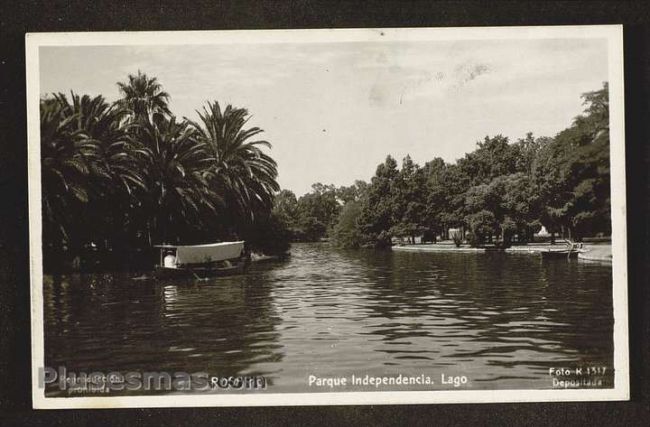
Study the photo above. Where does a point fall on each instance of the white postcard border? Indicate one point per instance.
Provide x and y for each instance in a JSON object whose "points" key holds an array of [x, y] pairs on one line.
{"points": [[612, 33]]}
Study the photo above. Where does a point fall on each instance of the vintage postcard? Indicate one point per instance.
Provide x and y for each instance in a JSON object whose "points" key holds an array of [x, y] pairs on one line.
{"points": [[325, 217]]}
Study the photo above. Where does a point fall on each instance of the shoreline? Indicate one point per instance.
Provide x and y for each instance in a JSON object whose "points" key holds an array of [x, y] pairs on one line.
{"points": [[593, 252]]}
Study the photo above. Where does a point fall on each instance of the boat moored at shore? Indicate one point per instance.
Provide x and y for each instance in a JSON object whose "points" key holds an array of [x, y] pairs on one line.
{"points": [[560, 253]]}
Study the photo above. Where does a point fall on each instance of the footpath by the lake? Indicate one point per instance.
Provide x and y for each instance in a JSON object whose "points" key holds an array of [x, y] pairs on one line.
{"points": [[601, 252]]}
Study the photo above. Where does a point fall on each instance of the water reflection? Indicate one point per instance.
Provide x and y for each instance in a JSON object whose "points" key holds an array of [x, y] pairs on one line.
{"points": [[500, 319]]}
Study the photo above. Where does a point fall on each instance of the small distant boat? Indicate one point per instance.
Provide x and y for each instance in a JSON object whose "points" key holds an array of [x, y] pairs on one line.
{"points": [[572, 250], [201, 261], [560, 253]]}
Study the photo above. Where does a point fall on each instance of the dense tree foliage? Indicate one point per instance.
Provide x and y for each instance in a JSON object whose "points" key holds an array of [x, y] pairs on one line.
{"points": [[499, 192], [346, 232], [572, 172], [312, 216], [120, 177]]}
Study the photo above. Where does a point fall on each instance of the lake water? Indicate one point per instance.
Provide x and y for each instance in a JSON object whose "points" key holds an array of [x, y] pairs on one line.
{"points": [[501, 320]]}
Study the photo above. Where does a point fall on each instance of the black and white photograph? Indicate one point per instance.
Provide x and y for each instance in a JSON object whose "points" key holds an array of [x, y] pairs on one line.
{"points": [[327, 217]]}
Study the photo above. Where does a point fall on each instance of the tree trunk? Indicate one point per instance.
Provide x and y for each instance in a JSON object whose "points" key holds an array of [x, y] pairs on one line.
{"points": [[149, 234]]}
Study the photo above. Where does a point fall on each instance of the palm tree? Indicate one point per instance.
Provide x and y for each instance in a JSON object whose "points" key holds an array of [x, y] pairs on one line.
{"points": [[144, 97], [113, 162], [90, 174], [240, 168], [116, 178], [177, 166], [67, 155]]}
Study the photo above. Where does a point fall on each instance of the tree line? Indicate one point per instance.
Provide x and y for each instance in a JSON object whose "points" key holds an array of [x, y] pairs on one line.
{"points": [[119, 177], [501, 191]]}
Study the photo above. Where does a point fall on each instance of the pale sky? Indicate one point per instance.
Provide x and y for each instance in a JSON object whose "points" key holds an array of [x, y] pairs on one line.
{"points": [[333, 111]]}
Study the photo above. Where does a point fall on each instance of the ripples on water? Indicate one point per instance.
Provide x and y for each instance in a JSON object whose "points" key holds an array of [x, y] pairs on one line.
{"points": [[502, 320]]}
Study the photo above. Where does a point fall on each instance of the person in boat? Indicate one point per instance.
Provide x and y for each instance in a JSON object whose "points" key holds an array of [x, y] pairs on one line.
{"points": [[170, 260]]}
